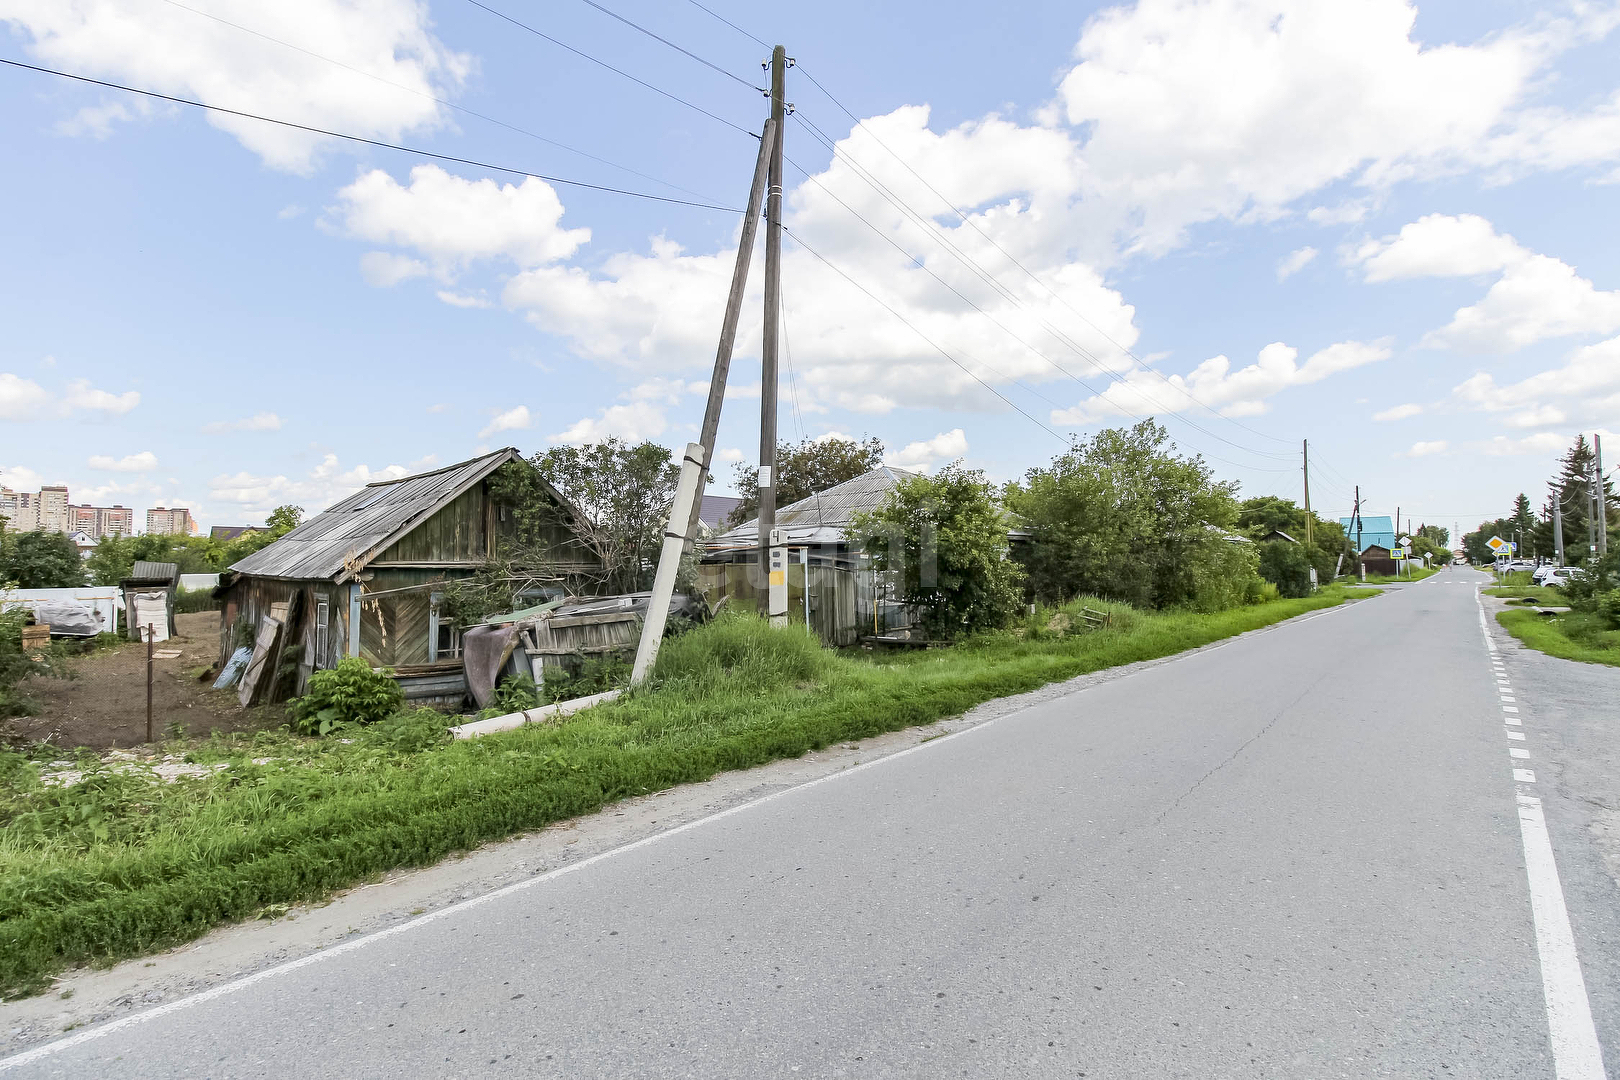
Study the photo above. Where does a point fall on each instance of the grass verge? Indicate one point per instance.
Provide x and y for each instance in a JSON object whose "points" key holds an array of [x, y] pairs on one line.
{"points": [[1541, 594], [120, 862], [1415, 574], [1573, 635]]}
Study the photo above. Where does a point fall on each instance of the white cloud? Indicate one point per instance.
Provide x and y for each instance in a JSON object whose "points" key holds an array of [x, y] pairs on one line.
{"points": [[322, 486], [21, 478], [516, 418], [385, 269], [1586, 386], [633, 422], [1233, 393], [172, 50], [463, 300], [288, 212], [81, 395], [452, 222], [20, 398], [145, 461], [1537, 298], [1309, 93], [1540, 444], [438, 408], [1398, 412], [1438, 245], [922, 456], [1294, 262], [264, 421], [1427, 449], [730, 454]]}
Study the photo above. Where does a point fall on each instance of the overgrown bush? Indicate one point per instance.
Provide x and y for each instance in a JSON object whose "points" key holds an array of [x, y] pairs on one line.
{"points": [[1286, 566], [516, 693], [594, 676], [740, 651], [350, 693], [187, 601], [15, 664]]}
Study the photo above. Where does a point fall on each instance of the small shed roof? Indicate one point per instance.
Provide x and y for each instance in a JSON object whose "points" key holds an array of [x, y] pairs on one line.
{"points": [[822, 518], [339, 542], [147, 572], [714, 509]]}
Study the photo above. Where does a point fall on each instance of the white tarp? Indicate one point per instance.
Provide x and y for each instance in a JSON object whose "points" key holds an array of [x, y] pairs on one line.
{"points": [[151, 611], [98, 604]]}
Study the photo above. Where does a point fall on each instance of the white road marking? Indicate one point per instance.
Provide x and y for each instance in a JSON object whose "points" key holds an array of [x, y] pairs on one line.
{"points": [[1510, 708], [1518, 752], [1506, 697], [1514, 720], [1576, 1052], [1515, 735]]}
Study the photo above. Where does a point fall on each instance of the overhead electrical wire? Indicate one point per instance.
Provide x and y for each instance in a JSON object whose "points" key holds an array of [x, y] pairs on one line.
{"points": [[728, 22], [685, 52], [973, 266], [419, 152], [610, 67], [433, 98]]}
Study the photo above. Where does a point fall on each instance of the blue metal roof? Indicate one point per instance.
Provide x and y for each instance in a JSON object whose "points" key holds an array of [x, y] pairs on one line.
{"points": [[1375, 529]]}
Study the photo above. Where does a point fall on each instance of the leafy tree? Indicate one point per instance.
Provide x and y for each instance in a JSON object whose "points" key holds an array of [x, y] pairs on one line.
{"points": [[284, 519], [1122, 516], [1260, 516], [623, 493], [1287, 566], [41, 560], [801, 471], [943, 540]]}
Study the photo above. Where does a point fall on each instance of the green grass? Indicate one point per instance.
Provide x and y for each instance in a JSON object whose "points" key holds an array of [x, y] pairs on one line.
{"points": [[1573, 635], [119, 864], [1541, 594], [1417, 573]]}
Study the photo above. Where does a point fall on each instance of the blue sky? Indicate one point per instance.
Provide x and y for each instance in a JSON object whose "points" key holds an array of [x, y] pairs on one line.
{"points": [[1395, 222]]}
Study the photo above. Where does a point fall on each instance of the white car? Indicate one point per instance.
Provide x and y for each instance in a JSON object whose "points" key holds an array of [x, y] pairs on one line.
{"points": [[1563, 575], [1542, 573]]}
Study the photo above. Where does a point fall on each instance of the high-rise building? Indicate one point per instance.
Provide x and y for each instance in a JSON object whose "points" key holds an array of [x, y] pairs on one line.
{"points": [[99, 521], [169, 522], [20, 509], [53, 509]]}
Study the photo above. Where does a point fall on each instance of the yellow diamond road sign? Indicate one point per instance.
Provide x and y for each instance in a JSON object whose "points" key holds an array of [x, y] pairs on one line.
{"points": [[1496, 543]]}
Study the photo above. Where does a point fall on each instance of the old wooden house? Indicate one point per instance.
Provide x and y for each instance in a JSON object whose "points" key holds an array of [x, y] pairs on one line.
{"points": [[366, 577]]}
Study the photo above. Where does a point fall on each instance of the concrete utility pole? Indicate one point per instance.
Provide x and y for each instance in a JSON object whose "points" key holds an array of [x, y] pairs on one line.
{"points": [[669, 564], [1601, 496], [1558, 526], [1361, 570], [728, 326], [774, 599], [1306, 449]]}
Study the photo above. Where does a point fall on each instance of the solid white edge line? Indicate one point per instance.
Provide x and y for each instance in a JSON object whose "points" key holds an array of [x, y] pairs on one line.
{"points": [[224, 989], [1577, 1055]]}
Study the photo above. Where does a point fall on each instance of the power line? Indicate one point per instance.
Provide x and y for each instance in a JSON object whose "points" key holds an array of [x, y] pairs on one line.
{"points": [[685, 52], [610, 67], [728, 22], [973, 266], [431, 97], [368, 142], [1011, 258], [914, 329]]}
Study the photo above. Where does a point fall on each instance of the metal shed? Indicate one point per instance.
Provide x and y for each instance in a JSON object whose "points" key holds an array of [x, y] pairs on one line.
{"points": [[364, 578], [150, 587]]}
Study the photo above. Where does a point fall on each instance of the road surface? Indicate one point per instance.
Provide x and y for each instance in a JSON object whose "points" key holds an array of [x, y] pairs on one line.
{"points": [[1303, 854]]}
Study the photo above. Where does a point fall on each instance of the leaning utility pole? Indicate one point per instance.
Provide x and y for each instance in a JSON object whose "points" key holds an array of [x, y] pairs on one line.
{"points": [[728, 326], [1558, 526], [773, 557], [1600, 496], [1361, 570]]}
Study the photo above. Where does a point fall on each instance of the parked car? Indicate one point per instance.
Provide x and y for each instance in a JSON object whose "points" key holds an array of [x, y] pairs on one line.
{"points": [[1517, 565], [1542, 573], [1563, 575]]}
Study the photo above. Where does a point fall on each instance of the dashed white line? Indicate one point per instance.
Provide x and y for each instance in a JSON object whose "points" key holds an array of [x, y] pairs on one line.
{"points": [[1576, 1052]]}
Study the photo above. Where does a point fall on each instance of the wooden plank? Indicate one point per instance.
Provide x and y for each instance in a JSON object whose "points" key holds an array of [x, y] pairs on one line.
{"points": [[264, 646], [559, 622]]}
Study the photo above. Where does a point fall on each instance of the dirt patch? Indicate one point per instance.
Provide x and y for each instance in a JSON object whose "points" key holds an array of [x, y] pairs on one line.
{"points": [[105, 706]]}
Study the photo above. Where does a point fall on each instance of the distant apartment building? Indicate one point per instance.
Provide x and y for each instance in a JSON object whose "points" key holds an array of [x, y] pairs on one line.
{"points": [[99, 521], [176, 521], [53, 509], [20, 509]]}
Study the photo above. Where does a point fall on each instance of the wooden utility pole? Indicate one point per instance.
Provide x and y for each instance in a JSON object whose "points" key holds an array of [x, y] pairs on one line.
{"points": [[151, 636], [1307, 451], [1361, 571], [767, 391], [728, 326]]}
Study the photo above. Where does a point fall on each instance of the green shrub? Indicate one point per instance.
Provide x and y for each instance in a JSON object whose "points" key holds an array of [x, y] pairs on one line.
{"points": [[516, 693], [740, 650], [187, 601], [411, 731], [1287, 566], [350, 693], [595, 676]]}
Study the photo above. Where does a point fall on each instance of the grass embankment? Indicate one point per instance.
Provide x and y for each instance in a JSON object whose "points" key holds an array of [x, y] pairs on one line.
{"points": [[1572, 635], [1417, 573], [120, 863], [1540, 594]]}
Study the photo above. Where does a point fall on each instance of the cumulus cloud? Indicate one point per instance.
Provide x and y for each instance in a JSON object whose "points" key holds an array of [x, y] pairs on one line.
{"points": [[463, 300], [1294, 262], [516, 418], [24, 399], [319, 488], [20, 398], [386, 269], [1438, 245], [925, 454], [1398, 412], [1243, 392], [633, 423], [452, 222], [1537, 298], [264, 421], [1539, 444], [145, 461], [1585, 388], [81, 396], [383, 44], [1427, 449]]}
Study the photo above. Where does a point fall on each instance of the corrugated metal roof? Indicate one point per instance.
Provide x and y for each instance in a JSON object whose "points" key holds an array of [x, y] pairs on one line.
{"points": [[153, 571], [353, 531], [822, 517]]}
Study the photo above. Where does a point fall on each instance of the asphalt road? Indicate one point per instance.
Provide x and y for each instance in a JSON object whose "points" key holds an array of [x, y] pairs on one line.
{"points": [[1298, 855]]}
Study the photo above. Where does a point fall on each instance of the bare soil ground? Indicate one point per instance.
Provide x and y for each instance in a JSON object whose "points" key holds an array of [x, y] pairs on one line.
{"points": [[105, 706]]}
